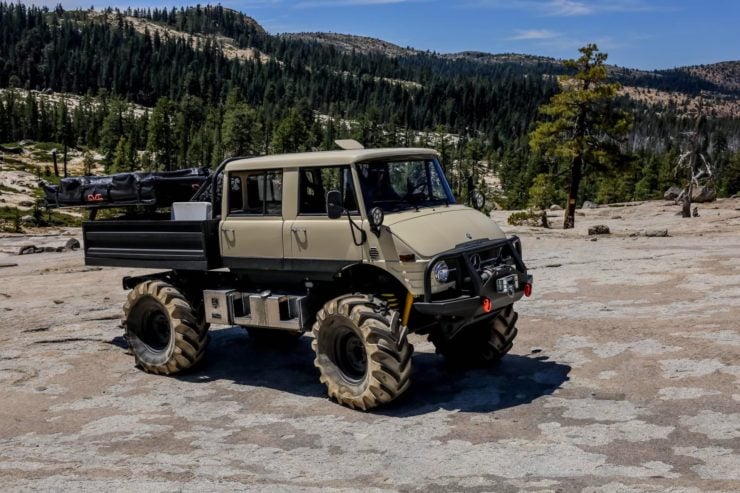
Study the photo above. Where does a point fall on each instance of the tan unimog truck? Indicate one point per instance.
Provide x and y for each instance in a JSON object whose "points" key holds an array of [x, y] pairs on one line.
{"points": [[359, 247]]}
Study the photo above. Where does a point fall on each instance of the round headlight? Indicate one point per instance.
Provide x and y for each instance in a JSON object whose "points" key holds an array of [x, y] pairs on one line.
{"points": [[441, 272]]}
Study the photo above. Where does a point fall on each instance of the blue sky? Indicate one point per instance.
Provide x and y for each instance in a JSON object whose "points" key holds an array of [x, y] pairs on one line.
{"points": [[647, 34]]}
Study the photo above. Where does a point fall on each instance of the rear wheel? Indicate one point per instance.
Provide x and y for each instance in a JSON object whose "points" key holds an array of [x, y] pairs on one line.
{"points": [[164, 332], [479, 344], [362, 351]]}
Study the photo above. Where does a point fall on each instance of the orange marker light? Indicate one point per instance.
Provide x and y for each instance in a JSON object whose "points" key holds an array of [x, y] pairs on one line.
{"points": [[487, 305]]}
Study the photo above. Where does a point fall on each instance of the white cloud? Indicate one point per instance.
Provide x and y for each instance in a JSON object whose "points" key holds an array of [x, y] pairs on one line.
{"points": [[347, 3], [566, 8], [533, 34]]}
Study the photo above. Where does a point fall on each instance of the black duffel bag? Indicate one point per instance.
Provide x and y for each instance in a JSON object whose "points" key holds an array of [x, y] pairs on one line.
{"points": [[96, 190], [71, 191], [161, 189], [124, 187]]}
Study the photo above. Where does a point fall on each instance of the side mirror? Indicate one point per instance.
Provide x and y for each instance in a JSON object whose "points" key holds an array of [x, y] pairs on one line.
{"points": [[334, 208], [479, 200], [376, 219]]}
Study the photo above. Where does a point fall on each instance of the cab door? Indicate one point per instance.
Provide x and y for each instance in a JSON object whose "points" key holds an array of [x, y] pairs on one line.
{"points": [[319, 246], [252, 228]]}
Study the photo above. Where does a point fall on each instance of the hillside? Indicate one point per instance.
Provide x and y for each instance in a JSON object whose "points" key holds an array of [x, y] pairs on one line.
{"points": [[230, 46], [721, 79], [349, 43], [187, 87], [725, 75]]}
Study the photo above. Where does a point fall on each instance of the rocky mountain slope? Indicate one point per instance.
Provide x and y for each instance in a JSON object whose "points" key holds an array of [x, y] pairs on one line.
{"points": [[717, 84]]}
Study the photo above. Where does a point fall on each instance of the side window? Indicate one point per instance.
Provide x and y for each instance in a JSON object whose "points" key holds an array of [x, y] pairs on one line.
{"points": [[314, 183], [262, 194], [273, 195], [236, 200]]}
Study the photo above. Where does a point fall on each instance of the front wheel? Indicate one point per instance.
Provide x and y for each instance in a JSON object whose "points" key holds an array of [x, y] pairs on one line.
{"points": [[362, 351], [163, 331], [480, 344]]}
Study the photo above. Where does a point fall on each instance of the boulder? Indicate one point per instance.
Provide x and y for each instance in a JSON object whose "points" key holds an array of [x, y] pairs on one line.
{"points": [[656, 233], [703, 194], [25, 203], [29, 249], [672, 193], [28, 219], [555, 207], [599, 229], [588, 205], [72, 244]]}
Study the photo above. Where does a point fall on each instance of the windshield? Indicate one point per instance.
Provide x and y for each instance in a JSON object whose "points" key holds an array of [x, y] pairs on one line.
{"points": [[398, 185]]}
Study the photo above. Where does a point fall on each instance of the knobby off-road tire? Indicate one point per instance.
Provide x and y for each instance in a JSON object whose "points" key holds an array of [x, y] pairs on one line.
{"points": [[362, 351], [480, 344], [164, 332]]}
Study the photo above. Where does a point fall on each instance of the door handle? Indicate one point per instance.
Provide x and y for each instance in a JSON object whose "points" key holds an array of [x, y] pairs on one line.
{"points": [[227, 230], [297, 230]]}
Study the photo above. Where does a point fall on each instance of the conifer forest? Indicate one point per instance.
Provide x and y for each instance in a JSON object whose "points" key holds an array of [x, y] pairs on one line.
{"points": [[159, 89]]}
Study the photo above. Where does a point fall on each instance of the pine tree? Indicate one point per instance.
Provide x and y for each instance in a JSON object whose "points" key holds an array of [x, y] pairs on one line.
{"points": [[161, 141], [291, 134], [241, 131], [584, 125]]}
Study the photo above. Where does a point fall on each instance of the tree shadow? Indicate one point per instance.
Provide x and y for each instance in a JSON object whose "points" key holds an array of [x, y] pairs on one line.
{"points": [[516, 380]]}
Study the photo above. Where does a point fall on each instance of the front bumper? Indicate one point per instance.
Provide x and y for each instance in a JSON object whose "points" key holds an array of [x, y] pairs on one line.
{"points": [[489, 276]]}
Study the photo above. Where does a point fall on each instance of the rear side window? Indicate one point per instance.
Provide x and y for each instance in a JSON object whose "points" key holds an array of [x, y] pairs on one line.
{"points": [[259, 194], [315, 183], [236, 203]]}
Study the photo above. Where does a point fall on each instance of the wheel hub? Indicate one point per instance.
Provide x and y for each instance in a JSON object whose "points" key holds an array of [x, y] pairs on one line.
{"points": [[350, 355], [153, 328]]}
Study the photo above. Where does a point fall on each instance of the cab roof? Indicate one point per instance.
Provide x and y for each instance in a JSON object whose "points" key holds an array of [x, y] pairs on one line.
{"points": [[326, 158]]}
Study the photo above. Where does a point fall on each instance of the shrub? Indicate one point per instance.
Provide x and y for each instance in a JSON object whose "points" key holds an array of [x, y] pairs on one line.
{"points": [[526, 218], [542, 193]]}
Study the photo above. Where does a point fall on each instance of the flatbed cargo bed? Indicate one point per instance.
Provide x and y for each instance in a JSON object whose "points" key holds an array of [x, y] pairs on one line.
{"points": [[155, 244]]}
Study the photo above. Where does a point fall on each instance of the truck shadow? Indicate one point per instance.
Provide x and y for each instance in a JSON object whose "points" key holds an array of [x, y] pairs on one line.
{"points": [[515, 381]]}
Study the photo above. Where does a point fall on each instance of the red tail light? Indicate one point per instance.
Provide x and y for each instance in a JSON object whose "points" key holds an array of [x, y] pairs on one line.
{"points": [[528, 290]]}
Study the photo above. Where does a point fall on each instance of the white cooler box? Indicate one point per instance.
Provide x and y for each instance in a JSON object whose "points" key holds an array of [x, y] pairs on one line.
{"points": [[191, 211]]}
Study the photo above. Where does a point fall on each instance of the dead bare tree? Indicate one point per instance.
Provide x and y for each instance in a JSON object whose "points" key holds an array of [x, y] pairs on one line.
{"points": [[696, 167]]}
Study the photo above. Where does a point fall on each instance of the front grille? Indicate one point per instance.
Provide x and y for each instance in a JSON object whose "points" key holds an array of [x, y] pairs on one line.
{"points": [[374, 253]]}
